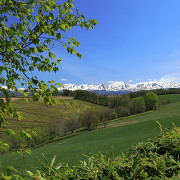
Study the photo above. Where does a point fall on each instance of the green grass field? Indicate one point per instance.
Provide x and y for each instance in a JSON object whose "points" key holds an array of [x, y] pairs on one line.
{"points": [[172, 98], [120, 138]]}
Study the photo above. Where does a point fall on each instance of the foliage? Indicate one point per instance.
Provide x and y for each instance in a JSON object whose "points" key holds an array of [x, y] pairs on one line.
{"points": [[3, 147], [92, 118], [156, 159], [72, 125], [151, 101], [137, 105], [67, 92], [156, 91], [89, 120], [58, 93], [29, 29], [122, 111], [116, 102], [124, 105]]}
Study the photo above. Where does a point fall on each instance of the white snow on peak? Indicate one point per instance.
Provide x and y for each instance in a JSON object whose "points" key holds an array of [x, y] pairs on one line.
{"points": [[119, 86]]}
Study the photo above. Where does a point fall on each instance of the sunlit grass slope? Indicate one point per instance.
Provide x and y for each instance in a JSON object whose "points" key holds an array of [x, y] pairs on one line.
{"points": [[167, 112], [172, 98], [120, 138], [37, 115]]}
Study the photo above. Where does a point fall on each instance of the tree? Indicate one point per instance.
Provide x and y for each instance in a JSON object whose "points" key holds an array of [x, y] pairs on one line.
{"points": [[122, 111], [116, 101], [67, 92], [151, 101], [28, 31], [109, 114], [89, 120], [126, 100], [72, 125], [137, 105]]}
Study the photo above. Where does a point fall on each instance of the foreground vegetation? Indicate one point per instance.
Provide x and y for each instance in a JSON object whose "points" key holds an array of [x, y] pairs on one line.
{"points": [[156, 159]]}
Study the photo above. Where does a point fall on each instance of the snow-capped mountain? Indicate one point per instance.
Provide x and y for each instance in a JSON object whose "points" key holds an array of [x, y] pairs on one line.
{"points": [[114, 88], [121, 86]]}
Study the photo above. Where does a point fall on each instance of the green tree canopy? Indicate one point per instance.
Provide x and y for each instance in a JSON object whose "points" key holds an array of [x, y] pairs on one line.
{"points": [[28, 31], [151, 101], [137, 105]]}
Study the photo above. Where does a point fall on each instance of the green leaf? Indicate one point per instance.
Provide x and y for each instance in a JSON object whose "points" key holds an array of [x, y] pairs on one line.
{"points": [[28, 151], [30, 173], [63, 27], [10, 132], [5, 146], [7, 177], [9, 170], [34, 133], [60, 85], [59, 36], [79, 55], [52, 82], [52, 161], [28, 135], [26, 99], [26, 94], [59, 60], [20, 91], [19, 117]]}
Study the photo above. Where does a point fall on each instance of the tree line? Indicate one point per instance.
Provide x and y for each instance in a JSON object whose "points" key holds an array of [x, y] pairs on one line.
{"points": [[124, 105], [156, 91]]}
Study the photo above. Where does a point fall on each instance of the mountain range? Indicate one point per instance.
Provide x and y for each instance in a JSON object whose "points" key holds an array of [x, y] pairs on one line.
{"points": [[120, 87], [116, 88]]}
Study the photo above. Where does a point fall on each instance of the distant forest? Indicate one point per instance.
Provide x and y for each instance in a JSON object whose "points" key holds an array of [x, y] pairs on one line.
{"points": [[127, 104], [156, 91]]}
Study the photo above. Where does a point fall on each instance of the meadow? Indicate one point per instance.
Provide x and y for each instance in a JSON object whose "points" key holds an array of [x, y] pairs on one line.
{"points": [[119, 138], [171, 98]]}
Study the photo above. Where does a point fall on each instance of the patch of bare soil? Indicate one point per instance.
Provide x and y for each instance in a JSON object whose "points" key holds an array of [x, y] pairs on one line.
{"points": [[59, 97], [119, 124], [12, 98], [63, 97]]}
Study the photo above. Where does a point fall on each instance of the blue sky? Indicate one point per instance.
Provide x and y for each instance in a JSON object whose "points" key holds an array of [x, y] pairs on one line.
{"points": [[135, 41]]}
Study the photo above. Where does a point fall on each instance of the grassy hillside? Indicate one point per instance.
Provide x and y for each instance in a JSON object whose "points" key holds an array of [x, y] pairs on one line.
{"points": [[120, 138], [168, 112], [171, 98], [39, 117]]}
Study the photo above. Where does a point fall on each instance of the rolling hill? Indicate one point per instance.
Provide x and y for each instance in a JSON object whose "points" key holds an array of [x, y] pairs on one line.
{"points": [[119, 137]]}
